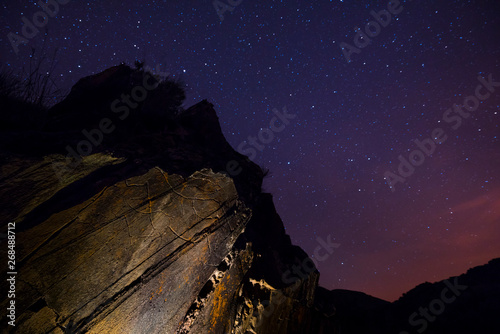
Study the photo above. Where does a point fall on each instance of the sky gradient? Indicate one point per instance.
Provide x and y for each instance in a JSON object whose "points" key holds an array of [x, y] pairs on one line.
{"points": [[352, 119]]}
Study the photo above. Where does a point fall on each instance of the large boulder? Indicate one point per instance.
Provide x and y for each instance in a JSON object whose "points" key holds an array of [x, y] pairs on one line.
{"points": [[150, 233]]}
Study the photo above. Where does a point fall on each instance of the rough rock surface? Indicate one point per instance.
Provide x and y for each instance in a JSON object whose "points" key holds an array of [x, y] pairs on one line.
{"points": [[153, 233], [148, 234]]}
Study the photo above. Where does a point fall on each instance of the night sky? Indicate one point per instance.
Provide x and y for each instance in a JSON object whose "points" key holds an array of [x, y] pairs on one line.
{"points": [[353, 120]]}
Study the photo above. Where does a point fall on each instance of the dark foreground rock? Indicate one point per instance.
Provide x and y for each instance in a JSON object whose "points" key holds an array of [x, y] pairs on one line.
{"points": [[149, 233]]}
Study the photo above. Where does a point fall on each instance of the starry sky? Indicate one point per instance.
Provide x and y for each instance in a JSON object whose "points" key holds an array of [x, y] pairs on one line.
{"points": [[353, 120]]}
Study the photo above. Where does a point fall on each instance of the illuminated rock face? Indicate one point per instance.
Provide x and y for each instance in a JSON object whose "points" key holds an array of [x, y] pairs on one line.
{"points": [[132, 257], [152, 233], [154, 253], [154, 238]]}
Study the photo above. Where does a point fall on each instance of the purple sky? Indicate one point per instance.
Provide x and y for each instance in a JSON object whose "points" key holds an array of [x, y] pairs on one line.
{"points": [[352, 119]]}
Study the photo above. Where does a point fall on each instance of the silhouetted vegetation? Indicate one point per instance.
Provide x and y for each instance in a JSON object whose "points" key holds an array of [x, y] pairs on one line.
{"points": [[34, 84], [139, 64], [25, 96], [30, 99], [170, 93], [17, 112], [136, 102]]}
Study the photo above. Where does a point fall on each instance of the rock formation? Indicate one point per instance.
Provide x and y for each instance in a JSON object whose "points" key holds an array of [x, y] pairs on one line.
{"points": [[162, 227], [149, 233]]}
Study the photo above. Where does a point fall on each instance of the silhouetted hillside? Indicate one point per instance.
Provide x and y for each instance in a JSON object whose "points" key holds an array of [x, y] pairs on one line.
{"points": [[465, 304]]}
